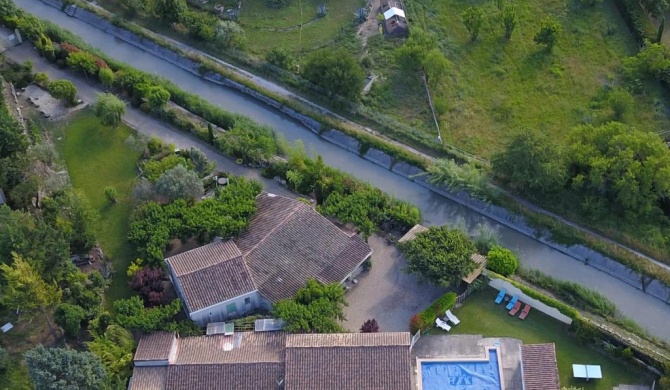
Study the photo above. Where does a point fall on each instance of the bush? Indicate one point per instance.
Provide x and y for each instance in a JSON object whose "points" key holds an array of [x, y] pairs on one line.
{"points": [[370, 326], [148, 282], [416, 323], [637, 20], [69, 317], [664, 383], [5, 360], [63, 90], [42, 79], [502, 260]]}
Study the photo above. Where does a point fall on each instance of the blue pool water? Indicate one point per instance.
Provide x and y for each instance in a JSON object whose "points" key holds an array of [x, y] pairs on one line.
{"points": [[461, 375]]}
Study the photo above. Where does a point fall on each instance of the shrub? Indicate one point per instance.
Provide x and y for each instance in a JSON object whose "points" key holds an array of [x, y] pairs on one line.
{"points": [[370, 326], [621, 102], [5, 360], [502, 260], [426, 318], [42, 79], [416, 323], [63, 90], [148, 282], [110, 194], [69, 317], [664, 383]]}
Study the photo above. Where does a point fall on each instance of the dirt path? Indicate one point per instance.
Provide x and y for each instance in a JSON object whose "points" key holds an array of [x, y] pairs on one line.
{"points": [[370, 27]]}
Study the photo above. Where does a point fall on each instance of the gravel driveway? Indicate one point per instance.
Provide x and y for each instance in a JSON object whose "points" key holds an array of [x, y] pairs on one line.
{"points": [[386, 293]]}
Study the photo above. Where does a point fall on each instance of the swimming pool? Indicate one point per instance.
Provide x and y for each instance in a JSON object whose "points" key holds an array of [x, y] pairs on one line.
{"points": [[461, 375]]}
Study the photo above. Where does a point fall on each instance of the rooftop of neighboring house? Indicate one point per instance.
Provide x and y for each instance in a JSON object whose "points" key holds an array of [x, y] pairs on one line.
{"points": [[287, 243], [539, 367], [273, 360]]}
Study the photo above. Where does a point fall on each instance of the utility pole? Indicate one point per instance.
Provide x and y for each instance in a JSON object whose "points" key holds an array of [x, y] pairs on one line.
{"points": [[432, 109]]}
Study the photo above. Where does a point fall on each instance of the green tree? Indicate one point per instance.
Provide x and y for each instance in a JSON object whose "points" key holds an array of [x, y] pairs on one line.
{"points": [[531, 162], [110, 194], [621, 165], [5, 359], [12, 139], [36, 240], [155, 96], [69, 317], [106, 77], [336, 71], [63, 90], [550, 30], [473, 19], [179, 183], [134, 7], [131, 314], [440, 255], [653, 60], [153, 169], [25, 290], [253, 144], [110, 109], [502, 260], [170, 10], [621, 102], [316, 308], [71, 213], [509, 20], [59, 368], [115, 349]]}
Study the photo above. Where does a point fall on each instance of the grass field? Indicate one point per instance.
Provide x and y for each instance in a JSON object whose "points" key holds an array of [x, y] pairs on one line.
{"points": [[269, 27], [480, 315], [497, 87], [96, 157]]}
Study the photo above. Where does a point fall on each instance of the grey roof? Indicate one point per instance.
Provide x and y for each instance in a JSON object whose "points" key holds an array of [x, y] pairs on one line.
{"points": [[155, 346], [211, 274], [148, 378], [539, 366], [372, 361], [288, 242]]}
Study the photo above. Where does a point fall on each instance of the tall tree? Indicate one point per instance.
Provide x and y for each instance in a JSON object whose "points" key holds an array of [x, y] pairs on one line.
{"points": [[315, 308], [531, 162], [440, 255], [110, 109], [550, 30], [59, 369], [624, 166], [473, 19], [26, 291], [170, 10], [336, 71]]}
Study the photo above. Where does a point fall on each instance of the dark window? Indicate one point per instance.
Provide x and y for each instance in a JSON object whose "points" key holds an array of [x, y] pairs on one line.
{"points": [[247, 301]]}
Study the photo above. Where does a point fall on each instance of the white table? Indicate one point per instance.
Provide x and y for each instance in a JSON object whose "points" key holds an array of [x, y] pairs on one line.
{"points": [[586, 371]]}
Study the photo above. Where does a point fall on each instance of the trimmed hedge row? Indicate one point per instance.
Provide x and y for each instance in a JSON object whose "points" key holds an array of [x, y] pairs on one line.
{"points": [[426, 319]]}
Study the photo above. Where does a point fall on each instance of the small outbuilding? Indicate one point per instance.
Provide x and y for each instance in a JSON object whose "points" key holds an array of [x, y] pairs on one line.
{"points": [[395, 21]]}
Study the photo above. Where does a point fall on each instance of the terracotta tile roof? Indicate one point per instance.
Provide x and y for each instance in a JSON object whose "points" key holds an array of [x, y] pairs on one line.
{"points": [[155, 346], [288, 242], [211, 274], [247, 347], [250, 376], [372, 361], [347, 340], [539, 367], [148, 378]]}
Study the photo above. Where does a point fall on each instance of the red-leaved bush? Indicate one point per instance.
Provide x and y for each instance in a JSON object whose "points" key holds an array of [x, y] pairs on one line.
{"points": [[370, 326], [148, 282]]}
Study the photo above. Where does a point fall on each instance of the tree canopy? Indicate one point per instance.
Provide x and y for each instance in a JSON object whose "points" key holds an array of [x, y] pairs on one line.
{"points": [[620, 164], [170, 10], [25, 290], [316, 308], [179, 183], [549, 32], [440, 255], [64, 369], [131, 314], [63, 90], [336, 71], [502, 261], [531, 162]]}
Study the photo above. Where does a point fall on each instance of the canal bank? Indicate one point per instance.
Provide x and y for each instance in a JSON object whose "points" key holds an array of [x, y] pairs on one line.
{"points": [[648, 311]]}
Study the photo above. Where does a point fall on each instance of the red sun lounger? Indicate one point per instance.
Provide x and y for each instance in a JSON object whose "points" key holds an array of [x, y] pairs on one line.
{"points": [[524, 312], [515, 309]]}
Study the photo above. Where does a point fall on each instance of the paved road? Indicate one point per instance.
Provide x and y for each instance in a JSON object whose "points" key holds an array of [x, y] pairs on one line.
{"points": [[648, 311]]}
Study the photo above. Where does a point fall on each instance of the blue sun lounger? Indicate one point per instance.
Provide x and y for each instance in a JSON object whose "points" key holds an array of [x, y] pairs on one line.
{"points": [[512, 302], [500, 297]]}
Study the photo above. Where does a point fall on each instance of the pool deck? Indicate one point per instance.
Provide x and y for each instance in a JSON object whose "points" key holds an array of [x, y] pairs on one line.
{"points": [[471, 347]]}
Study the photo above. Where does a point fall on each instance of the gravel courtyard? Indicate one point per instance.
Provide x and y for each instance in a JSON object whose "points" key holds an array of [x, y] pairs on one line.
{"points": [[386, 293]]}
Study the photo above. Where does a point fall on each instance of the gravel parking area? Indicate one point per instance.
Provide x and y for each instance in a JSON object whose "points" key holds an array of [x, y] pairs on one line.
{"points": [[386, 293]]}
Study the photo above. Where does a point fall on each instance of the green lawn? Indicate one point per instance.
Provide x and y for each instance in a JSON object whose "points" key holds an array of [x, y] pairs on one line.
{"points": [[497, 87], [480, 315], [97, 157]]}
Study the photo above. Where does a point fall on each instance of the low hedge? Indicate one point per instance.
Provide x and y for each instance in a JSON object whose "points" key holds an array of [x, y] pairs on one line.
{"points": [[426, 319]]}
